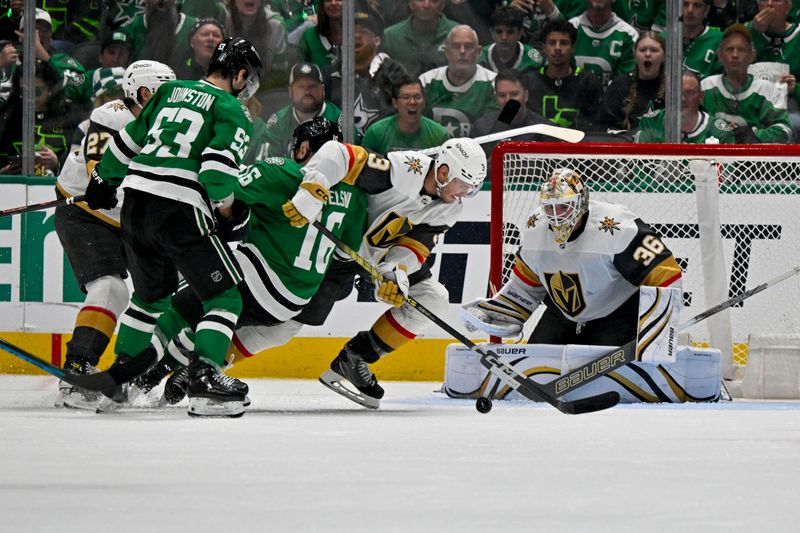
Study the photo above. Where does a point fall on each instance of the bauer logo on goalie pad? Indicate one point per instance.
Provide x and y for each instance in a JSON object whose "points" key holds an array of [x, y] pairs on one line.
{"points": [[659, 316]]}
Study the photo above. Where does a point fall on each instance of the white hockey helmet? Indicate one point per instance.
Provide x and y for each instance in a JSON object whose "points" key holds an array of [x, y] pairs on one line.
{"points": [[146, 73], [465, 161], [564, 199]]}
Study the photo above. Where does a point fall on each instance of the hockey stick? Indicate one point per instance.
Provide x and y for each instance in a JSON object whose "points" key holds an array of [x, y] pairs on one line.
{"points": [[108, 382], [44, 205], [565, 134], [504, 372], [625, 354]]}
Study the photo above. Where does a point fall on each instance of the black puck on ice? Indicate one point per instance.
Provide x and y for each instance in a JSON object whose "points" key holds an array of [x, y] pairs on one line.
{"points": [[483, 405]]}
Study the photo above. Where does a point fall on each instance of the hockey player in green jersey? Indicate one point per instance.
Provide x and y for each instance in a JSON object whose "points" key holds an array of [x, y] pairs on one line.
{"points": [[178, 163], [283, 265]]}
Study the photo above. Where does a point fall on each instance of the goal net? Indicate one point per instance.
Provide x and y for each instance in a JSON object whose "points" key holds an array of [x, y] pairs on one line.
{"points": [[730, 214]]}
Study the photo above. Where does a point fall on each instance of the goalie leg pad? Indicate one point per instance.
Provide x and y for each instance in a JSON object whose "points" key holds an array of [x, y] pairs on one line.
{"points": [[659, 321]]}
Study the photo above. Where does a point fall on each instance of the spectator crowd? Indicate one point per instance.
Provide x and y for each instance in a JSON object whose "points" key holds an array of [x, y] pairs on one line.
{"points": [[425, 70]]}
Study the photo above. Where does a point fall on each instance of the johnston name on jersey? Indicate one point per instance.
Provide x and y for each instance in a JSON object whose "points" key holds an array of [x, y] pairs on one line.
{"points": [[599, 269], [284, 265], [186, 145], [104, 122]]}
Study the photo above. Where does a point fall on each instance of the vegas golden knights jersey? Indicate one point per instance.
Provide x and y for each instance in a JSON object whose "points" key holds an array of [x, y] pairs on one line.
{"points": [[602, 264], [403, 223], [104, 122]]}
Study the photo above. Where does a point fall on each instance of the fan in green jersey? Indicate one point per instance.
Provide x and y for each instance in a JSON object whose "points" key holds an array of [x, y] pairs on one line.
{"points": [[178, 163], [283, 265]]}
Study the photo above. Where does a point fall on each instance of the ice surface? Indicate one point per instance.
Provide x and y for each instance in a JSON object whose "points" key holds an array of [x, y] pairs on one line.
{"points": [[305, 459]]}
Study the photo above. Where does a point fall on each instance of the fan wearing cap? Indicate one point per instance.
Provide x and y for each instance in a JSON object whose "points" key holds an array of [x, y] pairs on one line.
{"points": [[375, 72], [204, 37], [104, 83], [161, 33], [72, 72], [307, 95], [178, 163], [413, 201]]}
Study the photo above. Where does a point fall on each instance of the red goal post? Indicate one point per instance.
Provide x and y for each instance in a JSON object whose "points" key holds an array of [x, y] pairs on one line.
{"points": [[729, 213]]}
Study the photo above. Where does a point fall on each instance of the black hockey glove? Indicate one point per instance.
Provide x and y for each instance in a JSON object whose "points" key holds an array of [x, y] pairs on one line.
{"points": [[235, 228], [745, 135], [99, 193]]}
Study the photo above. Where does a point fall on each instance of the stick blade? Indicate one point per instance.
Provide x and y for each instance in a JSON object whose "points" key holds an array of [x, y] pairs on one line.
{"points": [[592, 404], [509, 111]]}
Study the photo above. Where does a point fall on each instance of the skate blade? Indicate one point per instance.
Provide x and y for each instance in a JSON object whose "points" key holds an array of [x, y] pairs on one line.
{"points": [[206, 407], [77, 401], [335, 382]]}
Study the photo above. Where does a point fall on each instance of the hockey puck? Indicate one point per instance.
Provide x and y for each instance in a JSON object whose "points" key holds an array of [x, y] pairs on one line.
{"points": [[483, 405]]}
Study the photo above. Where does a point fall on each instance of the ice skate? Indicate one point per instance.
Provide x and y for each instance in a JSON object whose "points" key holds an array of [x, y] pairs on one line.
{"points": [[349, 367], [212, 393], [76, 397]]}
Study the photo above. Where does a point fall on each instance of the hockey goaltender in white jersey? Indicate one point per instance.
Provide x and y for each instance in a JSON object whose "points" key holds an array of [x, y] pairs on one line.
{"points": [[605, 278]]}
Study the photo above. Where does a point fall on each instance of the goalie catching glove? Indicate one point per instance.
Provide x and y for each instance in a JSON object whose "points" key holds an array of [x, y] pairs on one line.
{"points": [[499, 316], [306, 204], [393, 288]]}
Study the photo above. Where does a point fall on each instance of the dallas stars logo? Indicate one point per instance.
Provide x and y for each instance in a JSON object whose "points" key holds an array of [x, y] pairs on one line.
{"points": [[609, 225], [532, 220], [414, 165]]}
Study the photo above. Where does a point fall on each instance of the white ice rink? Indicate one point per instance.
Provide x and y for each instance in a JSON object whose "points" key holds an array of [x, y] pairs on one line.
{"points": [[305, 459]]}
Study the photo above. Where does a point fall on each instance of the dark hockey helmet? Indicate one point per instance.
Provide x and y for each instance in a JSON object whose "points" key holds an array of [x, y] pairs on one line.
{"points": [[234, 54], [317, 131]]}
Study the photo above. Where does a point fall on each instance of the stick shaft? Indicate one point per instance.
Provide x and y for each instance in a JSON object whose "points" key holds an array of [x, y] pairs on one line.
{"points": [[43, 205]]}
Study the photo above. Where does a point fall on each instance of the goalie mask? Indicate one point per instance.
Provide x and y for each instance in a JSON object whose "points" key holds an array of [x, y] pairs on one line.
{"points": [[564, 199], [465, 161]]}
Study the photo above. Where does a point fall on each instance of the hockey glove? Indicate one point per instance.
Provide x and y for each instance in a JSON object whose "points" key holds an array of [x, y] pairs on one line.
{"points": [[745, 135], [393, 288], [235, 228], [493, 316], [99, 193], [306, 204]]}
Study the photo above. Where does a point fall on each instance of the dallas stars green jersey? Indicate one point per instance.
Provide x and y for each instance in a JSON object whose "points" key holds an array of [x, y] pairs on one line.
{"points": [[186, 144], [638, 13], [781, 48], [137, 31], [281, 125], [709, 130], [316, 48], [700, 53], [418, 52], [456, 107], [384, 136], [527, 58], [284, 265], [752, 105], [607, 50]]}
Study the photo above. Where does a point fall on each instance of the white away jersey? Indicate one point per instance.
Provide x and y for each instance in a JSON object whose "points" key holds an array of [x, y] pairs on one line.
{"points": [[104, 122], [595, 273]]}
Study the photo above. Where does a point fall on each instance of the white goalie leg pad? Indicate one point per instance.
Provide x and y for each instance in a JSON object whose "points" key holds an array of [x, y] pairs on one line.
{"points": [[255, 339], [109, 293], [659, 320]]}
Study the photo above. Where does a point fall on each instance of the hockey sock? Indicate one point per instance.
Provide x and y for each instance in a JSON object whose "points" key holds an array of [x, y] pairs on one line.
{"points": [[213, 333], [106, 298], [385, 336], [137, 325]]}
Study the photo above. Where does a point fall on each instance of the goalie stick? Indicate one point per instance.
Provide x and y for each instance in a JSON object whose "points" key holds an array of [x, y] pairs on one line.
{"points": [[625, 354], [108, 382], [565, 134], [504, 372], [44, 205]]}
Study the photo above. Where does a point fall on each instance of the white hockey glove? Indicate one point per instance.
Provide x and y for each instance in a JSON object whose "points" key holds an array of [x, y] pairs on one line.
{"points": [[393, 289], [306, 204], [492, 316]]}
